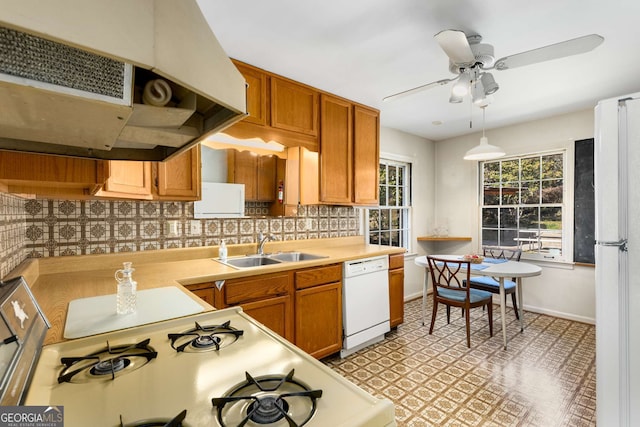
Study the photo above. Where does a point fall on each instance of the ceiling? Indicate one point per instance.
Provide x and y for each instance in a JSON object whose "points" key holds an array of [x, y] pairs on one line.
{"points": [[365, 50]]}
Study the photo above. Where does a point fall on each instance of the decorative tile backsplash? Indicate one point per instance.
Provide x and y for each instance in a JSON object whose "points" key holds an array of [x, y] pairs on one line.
{"points": [[74, 227], [12, 232]]}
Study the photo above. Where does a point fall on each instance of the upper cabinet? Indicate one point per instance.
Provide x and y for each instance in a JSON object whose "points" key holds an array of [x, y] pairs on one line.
{"points": [[256, 172], [349, 152], [279, 109]]}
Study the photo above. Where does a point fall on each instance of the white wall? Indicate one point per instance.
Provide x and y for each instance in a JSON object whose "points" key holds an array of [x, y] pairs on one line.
{"points": [[564, 291], [422, 153]]}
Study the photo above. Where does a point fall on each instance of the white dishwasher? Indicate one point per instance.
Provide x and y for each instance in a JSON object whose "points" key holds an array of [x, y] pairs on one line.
{"points": [[365, 302]]}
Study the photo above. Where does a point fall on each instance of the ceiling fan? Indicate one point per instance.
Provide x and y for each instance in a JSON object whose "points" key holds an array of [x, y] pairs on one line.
{"points": [[471, 60]]}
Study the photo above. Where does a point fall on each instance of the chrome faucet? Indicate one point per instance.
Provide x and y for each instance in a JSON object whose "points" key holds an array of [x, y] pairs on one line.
{"points": [[262, 239]]}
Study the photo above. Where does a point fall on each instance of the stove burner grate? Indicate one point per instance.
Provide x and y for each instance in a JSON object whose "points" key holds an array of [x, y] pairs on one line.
{"points": [[205, 338], [106, 362], [164, 422], [277, 400]]}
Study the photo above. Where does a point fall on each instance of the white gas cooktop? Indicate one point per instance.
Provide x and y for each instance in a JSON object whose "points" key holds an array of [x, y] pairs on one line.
{"points": [[167, 382]]}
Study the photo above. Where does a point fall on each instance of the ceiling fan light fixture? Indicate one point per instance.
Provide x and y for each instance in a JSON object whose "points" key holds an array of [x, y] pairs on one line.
{"points": [[478, 93], [489, 83], [461, 87], [455, 99]]}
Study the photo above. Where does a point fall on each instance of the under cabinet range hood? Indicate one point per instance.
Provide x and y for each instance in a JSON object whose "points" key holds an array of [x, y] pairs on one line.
{"points": [[117, 80]]}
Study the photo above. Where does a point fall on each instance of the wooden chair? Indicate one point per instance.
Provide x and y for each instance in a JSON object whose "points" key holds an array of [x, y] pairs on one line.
{"points": [[489, 284], [449, 289]]}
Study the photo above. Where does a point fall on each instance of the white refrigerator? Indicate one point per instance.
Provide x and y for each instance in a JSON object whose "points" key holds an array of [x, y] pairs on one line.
{"points": [[617, 195]]}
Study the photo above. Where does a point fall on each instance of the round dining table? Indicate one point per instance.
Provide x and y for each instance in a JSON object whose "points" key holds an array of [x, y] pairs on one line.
{"points": [[499, 271]]}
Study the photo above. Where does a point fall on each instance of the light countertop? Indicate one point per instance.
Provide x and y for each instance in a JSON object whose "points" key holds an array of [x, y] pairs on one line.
{"points": [[59, 280]]}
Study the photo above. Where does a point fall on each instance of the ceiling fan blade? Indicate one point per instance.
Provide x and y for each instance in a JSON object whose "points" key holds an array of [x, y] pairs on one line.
{"points": [[555, 51], [456, 46], [416, 89]]}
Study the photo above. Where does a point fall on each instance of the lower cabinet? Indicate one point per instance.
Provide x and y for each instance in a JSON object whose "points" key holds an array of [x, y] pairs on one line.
{"points": [[273, 313], [396, 289], [205, 291], [318, 310]]}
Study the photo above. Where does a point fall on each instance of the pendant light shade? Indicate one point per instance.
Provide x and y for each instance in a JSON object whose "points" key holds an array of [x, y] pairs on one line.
{"points": [[484, 151]]}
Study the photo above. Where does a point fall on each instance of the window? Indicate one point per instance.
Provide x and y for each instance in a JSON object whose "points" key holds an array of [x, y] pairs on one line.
{"points": [[523, 204], [388, 224]]}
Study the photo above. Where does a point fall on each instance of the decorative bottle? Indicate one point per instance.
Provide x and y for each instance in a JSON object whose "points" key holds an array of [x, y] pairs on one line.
{"points": [[126, 296], [222, 251]]}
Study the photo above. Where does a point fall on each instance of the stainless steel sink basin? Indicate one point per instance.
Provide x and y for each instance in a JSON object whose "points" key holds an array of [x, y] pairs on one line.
{"points": [[296, 256], [250, 261]]}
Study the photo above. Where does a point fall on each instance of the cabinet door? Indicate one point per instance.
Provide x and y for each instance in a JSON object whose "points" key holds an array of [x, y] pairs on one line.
{"points": [[396, 296], [127, 180], [242, 169], [266, 178], [205, 294], [274, 313], [179, 178], [256, 94], [366, 156], [336, 145], [319, 319], [294, 107]]}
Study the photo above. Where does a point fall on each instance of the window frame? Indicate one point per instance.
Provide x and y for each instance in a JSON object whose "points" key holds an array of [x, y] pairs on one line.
{"points": [[567, 153], [406, 209]]}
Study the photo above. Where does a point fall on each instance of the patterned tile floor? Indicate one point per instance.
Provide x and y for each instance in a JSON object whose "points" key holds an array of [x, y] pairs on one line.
{"points": [[545, 378]]}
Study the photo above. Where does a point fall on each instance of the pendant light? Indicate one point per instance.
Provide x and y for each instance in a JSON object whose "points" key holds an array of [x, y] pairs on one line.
{"points": [[484, 151]]}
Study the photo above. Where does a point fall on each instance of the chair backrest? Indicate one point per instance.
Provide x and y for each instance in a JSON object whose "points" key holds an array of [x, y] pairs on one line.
{"points": [[449, 274], [512, 253]]}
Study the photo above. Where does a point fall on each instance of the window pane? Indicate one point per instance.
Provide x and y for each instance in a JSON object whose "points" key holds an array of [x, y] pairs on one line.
{"points": [[374, 219], [530, 169], [531, 193], [508, 218], [551, 218], [489, 217], [384, 219], [492, 195], [401, 201], [395, 238], [552, 166], [489, 237], [529, 218], [393, 201], [385, 238], [391, 178], [491, 172], [508, 237], [552, 191], [383, 196], [395, 219], [374, 238], [510, 171], [510, 193], [401, 172], [383, 174]]}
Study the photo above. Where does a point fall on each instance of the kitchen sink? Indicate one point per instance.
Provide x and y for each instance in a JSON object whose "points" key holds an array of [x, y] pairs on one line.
{"points": [[270, 259], [296, 256], [250, 261]]}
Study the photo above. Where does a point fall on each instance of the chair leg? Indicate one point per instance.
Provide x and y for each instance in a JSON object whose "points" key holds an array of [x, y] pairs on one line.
{"points": [[433, 315], [490, 314], [448, 314], [515, 305], [467, 324]]}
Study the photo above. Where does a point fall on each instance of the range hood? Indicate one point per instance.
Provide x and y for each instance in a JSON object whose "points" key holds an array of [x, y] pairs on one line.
{"points": [[112, 80]]}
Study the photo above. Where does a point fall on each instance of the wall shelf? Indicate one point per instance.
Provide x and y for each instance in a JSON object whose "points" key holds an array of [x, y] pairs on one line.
{"points": [[443, 239]]}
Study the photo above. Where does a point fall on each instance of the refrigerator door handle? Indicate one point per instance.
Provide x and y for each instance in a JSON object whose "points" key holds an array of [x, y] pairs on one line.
{"points": [[621, 244]]}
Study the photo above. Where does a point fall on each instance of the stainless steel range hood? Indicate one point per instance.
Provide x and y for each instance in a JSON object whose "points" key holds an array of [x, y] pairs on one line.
{"points": [[116, 80]]}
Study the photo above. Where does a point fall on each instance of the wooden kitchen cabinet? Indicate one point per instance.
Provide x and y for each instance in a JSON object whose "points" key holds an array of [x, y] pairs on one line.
{"points": [[349, 152], [318, 310], [294, 107], [127, 180], [206, 291], [256, 172], [266, 297], [396, 289], [50, 176], [278, 109], [336, 150], [178, 178]]}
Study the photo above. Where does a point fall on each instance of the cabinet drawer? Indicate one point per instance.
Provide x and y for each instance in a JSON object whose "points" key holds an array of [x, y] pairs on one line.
{"points": [[396, 261], [318, 276], [255, 288]]}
